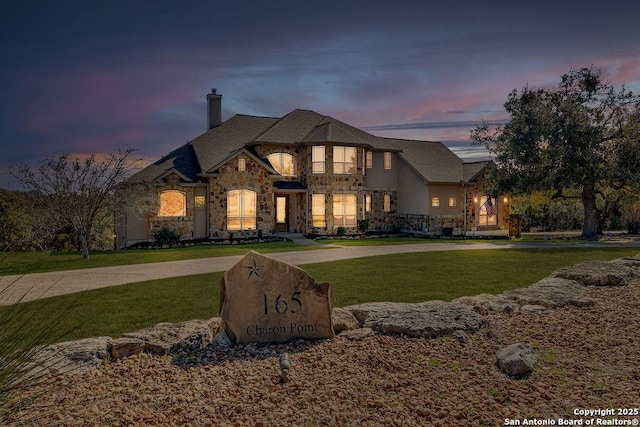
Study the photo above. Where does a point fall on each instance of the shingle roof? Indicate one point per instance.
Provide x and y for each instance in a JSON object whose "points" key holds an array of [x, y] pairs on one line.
{"points": [[220, 142], [182, 159], [434, 161]]}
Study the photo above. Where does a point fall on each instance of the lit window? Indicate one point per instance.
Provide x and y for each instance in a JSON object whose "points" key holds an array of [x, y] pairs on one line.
{"points": [[369, 159], [387, 160], [283, 163], [199, 201], [317, 159], [241, 210], [242, 165], [452, 202], [487, 214], [318, 218], [173, 203], [367, 203], [344, 210], [344, 160], [435, 201], [387, 203]]}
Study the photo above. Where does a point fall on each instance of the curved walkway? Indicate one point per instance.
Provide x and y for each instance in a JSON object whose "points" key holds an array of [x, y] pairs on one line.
{"points": [[30, 287]]}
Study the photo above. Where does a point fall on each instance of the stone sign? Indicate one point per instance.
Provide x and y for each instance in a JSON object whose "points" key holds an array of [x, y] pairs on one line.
{"points": [[265, 300]]}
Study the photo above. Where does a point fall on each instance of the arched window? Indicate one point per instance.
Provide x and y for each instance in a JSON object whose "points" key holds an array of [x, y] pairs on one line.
{"points": [[173, 203], [283, 163], [241, 210]]}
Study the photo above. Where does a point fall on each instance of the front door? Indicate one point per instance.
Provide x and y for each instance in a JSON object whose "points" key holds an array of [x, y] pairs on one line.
{"points": [[282, 217]]}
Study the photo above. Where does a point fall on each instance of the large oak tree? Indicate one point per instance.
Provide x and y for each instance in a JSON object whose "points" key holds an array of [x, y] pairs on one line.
{"points": [[582, 134]]}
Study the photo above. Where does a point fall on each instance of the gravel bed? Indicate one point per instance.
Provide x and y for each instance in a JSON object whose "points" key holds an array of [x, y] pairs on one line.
{"points": [[589, 359]]}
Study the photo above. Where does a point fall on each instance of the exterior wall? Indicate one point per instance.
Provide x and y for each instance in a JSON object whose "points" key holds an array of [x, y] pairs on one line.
{"points": [[255, 178], [182, 224], [413, 194], [378, 176]]}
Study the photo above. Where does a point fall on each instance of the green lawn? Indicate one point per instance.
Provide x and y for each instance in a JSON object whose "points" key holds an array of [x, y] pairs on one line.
{"points": [[402, 278], [40, 262]]}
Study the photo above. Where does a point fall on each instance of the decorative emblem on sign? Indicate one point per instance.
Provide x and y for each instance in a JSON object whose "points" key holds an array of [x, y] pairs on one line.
{"points": [[254, 269]]}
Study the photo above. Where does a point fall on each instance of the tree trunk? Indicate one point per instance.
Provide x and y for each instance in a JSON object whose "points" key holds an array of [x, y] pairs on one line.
{"points": [[591, 225], [84, 243]]}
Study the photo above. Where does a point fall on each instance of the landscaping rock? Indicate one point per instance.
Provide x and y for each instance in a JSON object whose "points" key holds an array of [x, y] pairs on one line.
{"points": [[126, 347], [485, 303], [516, 360], [343, 320], [75, 357], [429, 319], [173, 338], [552, 292], [617, 272], [357, 334]]}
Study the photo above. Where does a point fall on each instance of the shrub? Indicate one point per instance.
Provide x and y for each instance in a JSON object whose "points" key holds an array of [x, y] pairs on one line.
{"points": [[363, 225], [631, 217], [166, 236], [341, 231]]}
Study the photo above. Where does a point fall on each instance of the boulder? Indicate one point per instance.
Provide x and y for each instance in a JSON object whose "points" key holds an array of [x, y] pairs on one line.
{"points": [[264, 300], [516, 360], [126, 347], [551, 292], [356, 334], [428, 319], [173, 338], [343, 320], [73, 356], [617, 272], [485, 303]]}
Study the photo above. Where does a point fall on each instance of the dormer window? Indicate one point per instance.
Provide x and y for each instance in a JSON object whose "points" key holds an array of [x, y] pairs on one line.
{"points": [[283, 163]]}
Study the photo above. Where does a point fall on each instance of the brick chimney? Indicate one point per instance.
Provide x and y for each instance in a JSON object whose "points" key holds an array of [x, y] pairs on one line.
{"points": [[214, 109]]}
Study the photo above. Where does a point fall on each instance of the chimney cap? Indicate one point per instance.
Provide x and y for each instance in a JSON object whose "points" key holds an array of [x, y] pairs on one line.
{"points": [[214, 90]]}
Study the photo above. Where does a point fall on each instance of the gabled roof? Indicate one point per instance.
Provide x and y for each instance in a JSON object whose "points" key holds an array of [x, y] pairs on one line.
{"points": [[182, 161], [434, 162], [217, 144]]}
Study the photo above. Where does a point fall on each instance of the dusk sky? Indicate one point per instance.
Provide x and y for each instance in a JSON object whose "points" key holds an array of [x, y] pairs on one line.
{"points": [[90, 77]]}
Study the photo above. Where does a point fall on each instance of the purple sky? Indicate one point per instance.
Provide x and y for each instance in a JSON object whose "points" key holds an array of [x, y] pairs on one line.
{"points": [[89, 77]]}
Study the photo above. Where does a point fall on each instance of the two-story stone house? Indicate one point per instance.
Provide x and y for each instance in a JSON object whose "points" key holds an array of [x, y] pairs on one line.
{"points": [[309, 173]]}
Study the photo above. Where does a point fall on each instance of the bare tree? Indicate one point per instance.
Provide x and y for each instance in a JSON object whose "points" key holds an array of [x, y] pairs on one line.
{"points": [[83, 193]]}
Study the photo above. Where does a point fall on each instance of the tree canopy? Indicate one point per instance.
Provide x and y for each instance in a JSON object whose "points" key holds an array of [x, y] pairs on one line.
{"points": [[83, 193], [582, 134]]}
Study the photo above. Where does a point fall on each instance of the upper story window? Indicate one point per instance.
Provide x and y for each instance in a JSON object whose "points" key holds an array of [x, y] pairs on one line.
{"points": [[173, 203], [242, 164], [317, 159], [283, 163], [435, 202], [452, 202], [369, 160], [344, 160], [387, 160]]}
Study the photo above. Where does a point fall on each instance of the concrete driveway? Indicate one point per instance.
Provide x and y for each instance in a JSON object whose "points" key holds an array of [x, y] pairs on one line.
{"points": [[28, 287]]}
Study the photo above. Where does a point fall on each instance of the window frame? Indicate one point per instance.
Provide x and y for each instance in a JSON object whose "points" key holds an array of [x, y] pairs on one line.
{"points": [[281, 162], [318, 203], [483, 218], [245, 214], [343, 216], [435, 202], [318, 165], [387, 160], [387, 203], [340, 165], [173, 212]]}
